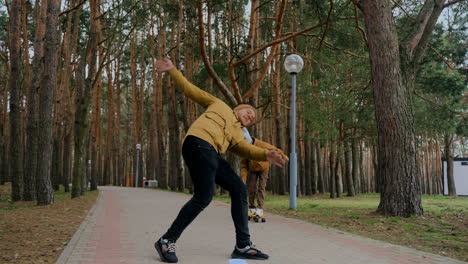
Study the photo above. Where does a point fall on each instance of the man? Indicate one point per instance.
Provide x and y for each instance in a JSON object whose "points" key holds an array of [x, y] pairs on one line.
{"points": [[258, 177], [216, 131]]}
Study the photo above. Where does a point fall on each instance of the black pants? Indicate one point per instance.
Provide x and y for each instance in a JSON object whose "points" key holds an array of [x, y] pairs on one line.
{"points": [[207, 168]]}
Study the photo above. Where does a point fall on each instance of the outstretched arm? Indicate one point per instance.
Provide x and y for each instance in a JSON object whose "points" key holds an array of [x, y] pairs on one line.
{"points": [[265, 145], [193, 92], [247, 150]]}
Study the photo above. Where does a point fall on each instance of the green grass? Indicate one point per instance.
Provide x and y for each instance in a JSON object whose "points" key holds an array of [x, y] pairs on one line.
{"points": [[442, 230]]}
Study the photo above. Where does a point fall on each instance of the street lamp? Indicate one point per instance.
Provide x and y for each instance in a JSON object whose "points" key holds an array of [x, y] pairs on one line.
{"points": [[138, 147], [293, 64]]}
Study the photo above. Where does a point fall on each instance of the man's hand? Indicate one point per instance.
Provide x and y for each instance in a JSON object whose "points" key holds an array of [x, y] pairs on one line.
{"points": [[164, 65], [275, 158]]}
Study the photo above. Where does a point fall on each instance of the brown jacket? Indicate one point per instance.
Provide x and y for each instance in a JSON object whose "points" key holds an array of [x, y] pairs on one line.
{"points": [[219, 125], [253, 165]]}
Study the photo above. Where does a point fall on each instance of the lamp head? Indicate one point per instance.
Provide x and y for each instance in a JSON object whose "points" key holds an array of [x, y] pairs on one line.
{"points": [[293, 63]]}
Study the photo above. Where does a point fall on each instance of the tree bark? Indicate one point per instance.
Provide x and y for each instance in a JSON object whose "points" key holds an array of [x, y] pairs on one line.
{"points": [[45, 193], [401, 191], [83, 98], [32, 132], [16, 143], [339, 165], [361, 169], [349, 166], [320, 171], [3, 128], [133, 73], [120, 172], [309, 168], [448, 140], [428, 170], [332, 170], [174, 133], [397, 168], [355, 165], [160, 128], [55, 171], [108, 167]]}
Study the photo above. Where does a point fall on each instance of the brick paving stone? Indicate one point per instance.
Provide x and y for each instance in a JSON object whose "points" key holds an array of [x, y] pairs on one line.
{"points": [[125, 222]]}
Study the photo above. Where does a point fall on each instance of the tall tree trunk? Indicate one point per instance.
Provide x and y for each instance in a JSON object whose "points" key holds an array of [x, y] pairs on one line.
{"points": [[160, 128], [428, 170], [154, 143], [349, 174], [174, 133], [32, 133], [448, 140], [55, 171], [355, 165], [309, 167], [339, 165], [26, 76], [16, 143], [332, 169], [320, 170], [280, 176], [120, 172], [2, 138], [83, 98], [375, 177], [108, 167], [95, 136], [3, 128], [135, 99], [87, 177], [361, 170], [45, 193], [439, 173], [140, 111], [397, 168], [67, 154]]}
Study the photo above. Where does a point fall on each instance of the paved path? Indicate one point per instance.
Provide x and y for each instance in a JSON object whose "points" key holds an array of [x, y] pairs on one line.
{"points": [[125, 222]]}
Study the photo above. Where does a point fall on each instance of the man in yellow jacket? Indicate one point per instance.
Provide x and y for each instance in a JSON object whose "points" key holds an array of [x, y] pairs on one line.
{"points": [[217, 130], [257, 179]]}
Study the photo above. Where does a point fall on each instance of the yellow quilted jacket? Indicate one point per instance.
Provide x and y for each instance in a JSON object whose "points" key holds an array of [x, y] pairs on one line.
{"points": [[252, 165], [218, 125]]}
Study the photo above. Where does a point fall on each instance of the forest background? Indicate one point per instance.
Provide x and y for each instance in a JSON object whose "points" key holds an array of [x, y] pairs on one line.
{"points": [[79, 91]]}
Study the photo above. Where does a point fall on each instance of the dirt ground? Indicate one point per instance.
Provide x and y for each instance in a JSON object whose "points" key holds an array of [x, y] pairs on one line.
{"points": [[38, 234]]}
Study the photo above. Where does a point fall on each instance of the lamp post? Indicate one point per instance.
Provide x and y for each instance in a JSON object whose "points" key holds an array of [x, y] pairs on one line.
{"points": [[138, 147], [293, 64]]}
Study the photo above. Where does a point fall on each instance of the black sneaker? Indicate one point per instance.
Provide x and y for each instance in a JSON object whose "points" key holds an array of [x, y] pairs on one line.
{"points": [[249, 252], [166, 250]]}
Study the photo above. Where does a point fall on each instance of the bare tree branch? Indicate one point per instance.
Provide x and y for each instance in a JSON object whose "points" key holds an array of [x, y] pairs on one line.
{"points": [[326, 26], [356, 17], [452, 3], [424, 40], [201, 37], [330, 46], [276, 42], [419, 26], [436, 104], [4, 58], [441, 57], [402, 9], [266, 65], [73, 8]]}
